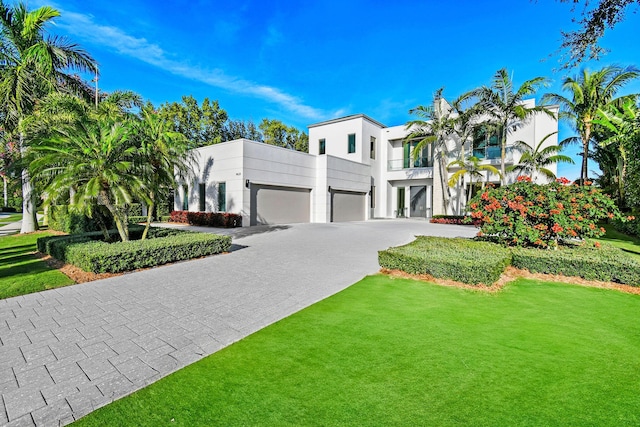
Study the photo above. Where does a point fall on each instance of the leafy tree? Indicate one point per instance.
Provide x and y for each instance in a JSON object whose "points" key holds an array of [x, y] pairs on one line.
{"points": [[201, 124], [535, 160], [583, 44], [32, 65], [277, 133], [238, 129], [589, 93], [506, 108], [471, 166], [433, 127]]}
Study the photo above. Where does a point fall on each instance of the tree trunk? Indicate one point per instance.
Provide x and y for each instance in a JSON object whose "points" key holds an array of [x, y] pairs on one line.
{"points": [[503, 154], [6, 198], [119, 216], [150, 208], [584, 173], [29, 222], [443, 183]]}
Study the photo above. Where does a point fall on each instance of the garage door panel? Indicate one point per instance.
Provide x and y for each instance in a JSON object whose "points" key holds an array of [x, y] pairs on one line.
{"points": [[348, 206], [279, 205]]}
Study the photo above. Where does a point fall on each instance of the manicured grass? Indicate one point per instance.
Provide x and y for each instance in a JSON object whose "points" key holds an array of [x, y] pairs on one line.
{"points": [[401, 352], [21, 272], [626, 243], [9, 219]]}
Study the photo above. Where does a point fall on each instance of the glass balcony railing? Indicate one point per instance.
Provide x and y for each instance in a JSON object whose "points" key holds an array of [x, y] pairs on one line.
{"points": [[399, 164]]}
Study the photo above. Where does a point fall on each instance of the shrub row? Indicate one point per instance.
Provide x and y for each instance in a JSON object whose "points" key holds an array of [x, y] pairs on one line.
{"points": [[606, 263], [7, 209], [68, 221], [459, 259], [454, 219], [135, 219], [208, 219], [164, 245], [473, 261], [630, 227]]}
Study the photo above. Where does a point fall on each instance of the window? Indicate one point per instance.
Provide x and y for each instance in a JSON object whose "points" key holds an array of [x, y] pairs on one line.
{"points": [[202, 194], [373, 196], [425, 159], [486, 142], [373, 147], [185, 197], [222, 197], [352, 143], [322, 146]]}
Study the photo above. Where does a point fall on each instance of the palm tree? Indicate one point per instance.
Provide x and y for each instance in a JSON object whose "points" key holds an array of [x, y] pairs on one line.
{"points": [[535, 160], [506, 108], [472, 167], [32, 65], [162, 154], [589, 92], [622, 126], [433, 127], [96, 158]]}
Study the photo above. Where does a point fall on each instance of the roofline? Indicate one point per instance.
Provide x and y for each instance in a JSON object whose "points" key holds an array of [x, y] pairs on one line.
{"points": [[345, 118]]}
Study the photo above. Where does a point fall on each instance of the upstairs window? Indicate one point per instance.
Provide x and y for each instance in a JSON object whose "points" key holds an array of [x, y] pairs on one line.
{"points": [[423, 160], [486, 142], [352, 143], [373, 147], [322, 146]]}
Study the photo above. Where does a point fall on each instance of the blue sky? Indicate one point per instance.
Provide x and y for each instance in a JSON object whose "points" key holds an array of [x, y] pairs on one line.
{"points": [[304, 62]]}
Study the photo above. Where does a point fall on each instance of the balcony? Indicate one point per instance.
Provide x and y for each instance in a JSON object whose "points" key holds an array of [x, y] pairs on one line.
{"points": [[400, 164], [493, 153]]}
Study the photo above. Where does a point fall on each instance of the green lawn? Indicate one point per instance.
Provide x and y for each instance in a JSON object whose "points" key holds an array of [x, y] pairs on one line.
{"points": [[626, 243], [401, 352], [21, 272], [9, 219]]}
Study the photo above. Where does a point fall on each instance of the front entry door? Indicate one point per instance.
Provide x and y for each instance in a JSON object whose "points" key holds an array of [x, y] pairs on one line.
{"points": [[418, 205]]}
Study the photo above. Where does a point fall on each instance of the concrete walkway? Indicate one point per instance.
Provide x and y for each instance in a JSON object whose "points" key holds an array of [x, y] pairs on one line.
{"points": [[68, 351]]}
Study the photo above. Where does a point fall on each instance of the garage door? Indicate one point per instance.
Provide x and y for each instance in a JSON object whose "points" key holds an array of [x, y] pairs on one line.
{"points": [[279, 205], [348, 206]]}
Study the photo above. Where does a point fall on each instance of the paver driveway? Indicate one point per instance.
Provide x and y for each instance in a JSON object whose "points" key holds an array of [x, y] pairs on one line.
{"points": [[68, 351]]}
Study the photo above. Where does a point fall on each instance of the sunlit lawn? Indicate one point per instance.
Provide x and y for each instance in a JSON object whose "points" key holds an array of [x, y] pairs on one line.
{"points": [[21, 272], [626, 243], [4, 220], [402, 352]]}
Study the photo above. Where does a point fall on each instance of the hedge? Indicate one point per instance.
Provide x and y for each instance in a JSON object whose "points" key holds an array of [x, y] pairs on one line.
{"points": [[8, 209], [454, 219], [209, 219], [629, 227], [606, 263], [61, 219], [459, 259]]}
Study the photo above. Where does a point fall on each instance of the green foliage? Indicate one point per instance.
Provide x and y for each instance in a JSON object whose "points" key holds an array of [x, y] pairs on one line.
{"points": [[630, 226], [463, 260], [90, 253], [527, 214], [135, 219], [277, 133], [606, 263], [200, 124], [61, 218]]}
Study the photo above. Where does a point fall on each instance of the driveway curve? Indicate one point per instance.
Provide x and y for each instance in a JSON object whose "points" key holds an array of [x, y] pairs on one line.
{"points": [[68, 351]]}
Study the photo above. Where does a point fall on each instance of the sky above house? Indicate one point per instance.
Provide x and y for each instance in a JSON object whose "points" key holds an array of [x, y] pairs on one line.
{"points": [[305, 62]]}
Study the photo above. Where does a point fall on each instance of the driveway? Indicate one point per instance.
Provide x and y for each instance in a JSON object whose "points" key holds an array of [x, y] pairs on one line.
{"points": [[68, 351]]}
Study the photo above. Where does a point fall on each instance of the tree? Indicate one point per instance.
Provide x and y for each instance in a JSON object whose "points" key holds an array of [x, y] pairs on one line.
{"points": [[32, 65], [201, 124], [277, 133], [622, 127], [589, 92], [472, 167], [433, 127], [535, 160], [506, 108], [238, 129], [583, 44], [162, 153]]}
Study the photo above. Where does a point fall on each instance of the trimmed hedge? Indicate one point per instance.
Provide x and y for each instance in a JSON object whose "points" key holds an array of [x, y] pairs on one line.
{"points": [[208, 219], [61, 219], [630, 227], [459, 259], [7, 209], [454, 219], [101, 257], [88, 252], [135, 219], [606, 263]]}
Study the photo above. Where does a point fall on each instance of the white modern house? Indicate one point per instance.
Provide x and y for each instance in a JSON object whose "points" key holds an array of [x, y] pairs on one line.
{"points": [[356, 169]]}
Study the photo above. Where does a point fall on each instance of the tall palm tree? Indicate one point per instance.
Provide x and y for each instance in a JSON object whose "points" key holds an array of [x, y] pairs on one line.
{"points": [[473, 167], [535, 160], [506, 108], [31, 65], [433, 127], [588, 93], [162, 154]]}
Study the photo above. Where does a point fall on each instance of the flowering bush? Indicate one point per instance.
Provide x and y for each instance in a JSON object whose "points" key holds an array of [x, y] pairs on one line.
{"points": [[453, 219], [525, 214]]}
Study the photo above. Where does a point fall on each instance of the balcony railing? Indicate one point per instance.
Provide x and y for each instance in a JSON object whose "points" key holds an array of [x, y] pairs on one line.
{"points": [[493, 153], [399, 164]]}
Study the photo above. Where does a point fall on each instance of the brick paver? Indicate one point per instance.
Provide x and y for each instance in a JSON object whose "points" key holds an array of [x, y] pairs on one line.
{"points": [[68, 351]]}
